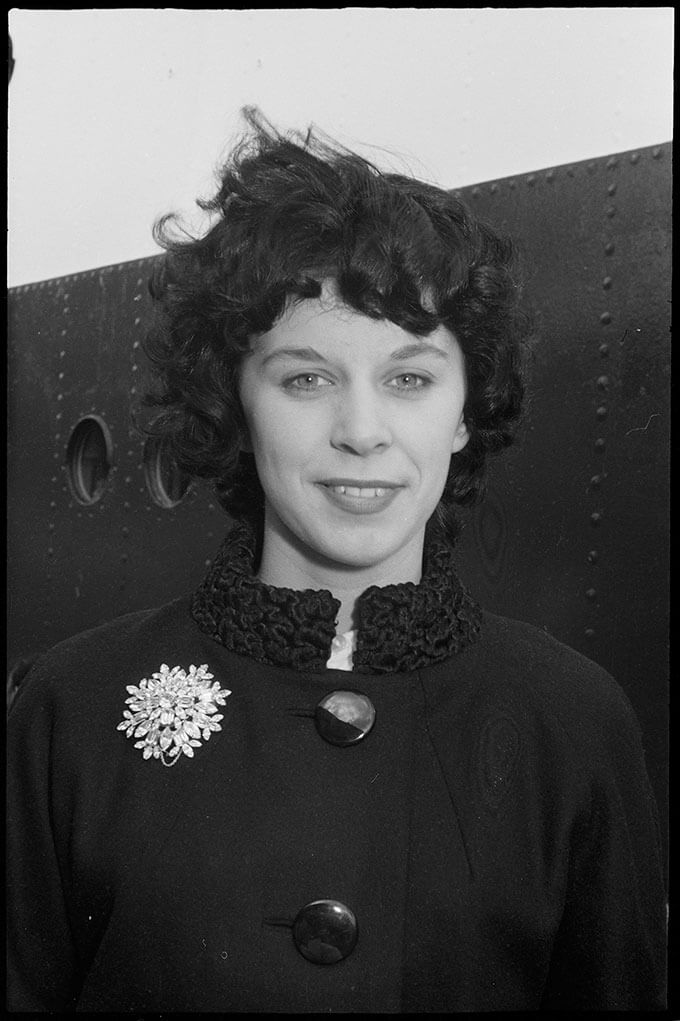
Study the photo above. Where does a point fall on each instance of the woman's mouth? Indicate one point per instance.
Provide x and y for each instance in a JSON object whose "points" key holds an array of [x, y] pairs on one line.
{"points": [[359, 497]]}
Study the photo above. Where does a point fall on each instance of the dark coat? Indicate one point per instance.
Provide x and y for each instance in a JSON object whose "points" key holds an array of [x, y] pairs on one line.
{"points": [[494, 835]]}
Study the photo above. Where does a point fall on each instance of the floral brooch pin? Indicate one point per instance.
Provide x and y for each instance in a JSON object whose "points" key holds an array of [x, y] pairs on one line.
{"points": [[172, 710]]}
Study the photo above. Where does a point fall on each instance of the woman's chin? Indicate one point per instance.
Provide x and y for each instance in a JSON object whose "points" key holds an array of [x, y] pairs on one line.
{"points": [[368, 553]]}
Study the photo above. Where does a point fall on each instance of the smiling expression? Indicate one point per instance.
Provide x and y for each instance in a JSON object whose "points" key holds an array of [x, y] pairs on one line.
{"points": [[352, 423]]}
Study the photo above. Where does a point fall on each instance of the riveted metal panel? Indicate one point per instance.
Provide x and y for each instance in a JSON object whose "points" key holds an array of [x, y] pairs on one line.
{"points": [[573, 536], [74, 353]]}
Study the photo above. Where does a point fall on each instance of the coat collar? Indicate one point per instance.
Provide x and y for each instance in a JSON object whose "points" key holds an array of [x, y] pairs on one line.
{"points": [[400, 627]]}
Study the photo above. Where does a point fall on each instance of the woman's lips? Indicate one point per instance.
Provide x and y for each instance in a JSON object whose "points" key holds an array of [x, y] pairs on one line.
{"points": [[359, 497]]}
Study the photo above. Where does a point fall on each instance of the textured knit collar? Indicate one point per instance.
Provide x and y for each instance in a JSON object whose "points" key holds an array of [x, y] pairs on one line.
{"points": [[400, 627]]}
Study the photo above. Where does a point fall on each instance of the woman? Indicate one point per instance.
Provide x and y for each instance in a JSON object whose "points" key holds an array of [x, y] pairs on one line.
{"points": [[383, 799]]}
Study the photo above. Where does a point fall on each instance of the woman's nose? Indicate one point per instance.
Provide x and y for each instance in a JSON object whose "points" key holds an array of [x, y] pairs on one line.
{"points": [[360, 425]]}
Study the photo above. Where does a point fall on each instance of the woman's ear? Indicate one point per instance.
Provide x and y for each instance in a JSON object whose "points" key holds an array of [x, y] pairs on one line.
{"points": [[246, 446], [461, 436]]}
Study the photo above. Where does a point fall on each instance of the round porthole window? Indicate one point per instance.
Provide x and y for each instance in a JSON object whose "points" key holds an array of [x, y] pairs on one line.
{"points": [[166, 483], [89, 458]]}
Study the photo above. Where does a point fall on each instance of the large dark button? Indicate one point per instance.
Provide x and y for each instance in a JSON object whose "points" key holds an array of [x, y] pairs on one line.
{"points": [[344, 717], [325, 931]]}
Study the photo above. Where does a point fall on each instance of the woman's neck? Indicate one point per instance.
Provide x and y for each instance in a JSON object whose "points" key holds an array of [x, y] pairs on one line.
{"points": [[284, 565]]}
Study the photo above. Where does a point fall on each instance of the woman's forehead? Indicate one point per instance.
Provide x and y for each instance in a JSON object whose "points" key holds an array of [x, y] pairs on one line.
{"points": [[330, 323]]}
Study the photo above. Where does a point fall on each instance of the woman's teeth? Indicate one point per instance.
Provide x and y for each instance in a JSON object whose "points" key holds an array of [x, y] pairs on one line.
{"points": [[357, 491]]}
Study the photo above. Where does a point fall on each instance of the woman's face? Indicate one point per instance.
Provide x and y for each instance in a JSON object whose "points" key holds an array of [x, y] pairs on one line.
{"points": [[352, 424]]}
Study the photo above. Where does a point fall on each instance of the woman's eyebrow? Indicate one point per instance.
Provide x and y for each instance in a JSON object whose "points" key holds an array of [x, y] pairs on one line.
{"points": [[301, 354], [416, 350]]}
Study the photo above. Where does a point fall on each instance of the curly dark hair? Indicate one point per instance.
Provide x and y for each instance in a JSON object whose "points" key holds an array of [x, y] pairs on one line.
{"points": [[292, 211]]}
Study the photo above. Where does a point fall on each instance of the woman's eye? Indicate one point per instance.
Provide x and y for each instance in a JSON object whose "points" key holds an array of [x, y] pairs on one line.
{"points": [[409, 381], [306, 381]]}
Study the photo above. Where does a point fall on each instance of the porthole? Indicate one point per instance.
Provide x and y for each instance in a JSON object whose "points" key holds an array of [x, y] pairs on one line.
{"points": [[167, 484], [89, 457]]}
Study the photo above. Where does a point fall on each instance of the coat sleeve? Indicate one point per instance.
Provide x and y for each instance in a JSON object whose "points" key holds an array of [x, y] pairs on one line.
{"points": [[610, 952], [42, 962]]}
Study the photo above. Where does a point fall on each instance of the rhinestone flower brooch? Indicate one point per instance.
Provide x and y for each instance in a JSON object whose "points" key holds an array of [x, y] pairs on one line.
{"points": [[172, 710]]}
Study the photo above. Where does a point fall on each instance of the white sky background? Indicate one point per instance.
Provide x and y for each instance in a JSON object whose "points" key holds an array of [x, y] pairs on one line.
{"points": [[118, 116]]}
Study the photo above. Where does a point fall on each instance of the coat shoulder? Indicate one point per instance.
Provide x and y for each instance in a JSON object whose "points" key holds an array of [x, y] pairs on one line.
{"points": [[80, 667], [544, 678]]}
